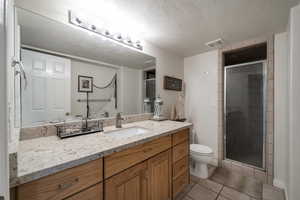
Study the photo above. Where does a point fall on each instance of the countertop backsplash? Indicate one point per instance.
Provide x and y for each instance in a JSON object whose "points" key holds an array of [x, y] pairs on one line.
{"points": [[28, 133]]}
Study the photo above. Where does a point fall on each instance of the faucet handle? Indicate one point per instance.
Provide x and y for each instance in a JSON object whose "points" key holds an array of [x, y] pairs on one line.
{"points": [[119, 116], [100, 125]]}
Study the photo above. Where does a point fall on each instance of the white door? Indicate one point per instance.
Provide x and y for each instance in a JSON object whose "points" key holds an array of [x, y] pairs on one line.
{"points": [[47, 96]]}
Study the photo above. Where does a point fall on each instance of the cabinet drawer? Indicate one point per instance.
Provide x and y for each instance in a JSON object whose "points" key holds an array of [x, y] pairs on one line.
{"points": [[180, 151], [181, 136], [180, 183], [120, 161], [180, 167], [63, 184], [92, 193]]}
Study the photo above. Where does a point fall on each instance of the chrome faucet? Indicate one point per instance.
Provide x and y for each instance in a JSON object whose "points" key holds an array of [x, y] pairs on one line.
{"points": [[119, 120], [84, 122]]}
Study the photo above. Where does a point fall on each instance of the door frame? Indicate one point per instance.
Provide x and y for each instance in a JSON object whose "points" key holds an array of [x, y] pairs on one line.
{"points": [[265, 78], [4, 180]]}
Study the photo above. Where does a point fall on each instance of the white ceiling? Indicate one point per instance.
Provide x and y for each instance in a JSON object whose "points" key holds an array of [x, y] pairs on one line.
{"points": [[43, 33], [181, 26]]}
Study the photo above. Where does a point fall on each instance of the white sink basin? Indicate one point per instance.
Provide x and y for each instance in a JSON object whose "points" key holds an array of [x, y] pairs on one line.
{"points": [[127, 132]]}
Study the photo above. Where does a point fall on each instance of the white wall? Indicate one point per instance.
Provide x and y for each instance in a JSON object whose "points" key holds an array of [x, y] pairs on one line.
{"points": [[281, 135], [294, 105], [102, 76], [131, 90], [167, 64], [201, 79]]}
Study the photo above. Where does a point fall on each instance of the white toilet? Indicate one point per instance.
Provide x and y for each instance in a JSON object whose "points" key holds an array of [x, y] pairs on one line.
{"points": [[202, 155]]}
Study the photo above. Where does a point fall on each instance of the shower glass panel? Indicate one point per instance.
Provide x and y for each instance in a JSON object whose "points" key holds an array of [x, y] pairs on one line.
{"points": [[245, 89]]}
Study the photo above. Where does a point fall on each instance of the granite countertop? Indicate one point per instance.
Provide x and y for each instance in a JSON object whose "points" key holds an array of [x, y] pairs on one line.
{"points": [[43, 156]]}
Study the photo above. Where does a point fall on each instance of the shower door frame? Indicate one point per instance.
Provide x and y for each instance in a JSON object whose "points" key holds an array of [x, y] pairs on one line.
{"points": [[265, 92]]}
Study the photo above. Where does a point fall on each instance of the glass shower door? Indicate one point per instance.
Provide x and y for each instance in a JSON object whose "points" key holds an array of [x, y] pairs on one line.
{"points": [[245, 91]]}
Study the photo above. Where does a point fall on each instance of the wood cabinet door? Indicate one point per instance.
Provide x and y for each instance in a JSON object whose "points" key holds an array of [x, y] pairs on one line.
{"points": [[131, 184], [160, 176]]}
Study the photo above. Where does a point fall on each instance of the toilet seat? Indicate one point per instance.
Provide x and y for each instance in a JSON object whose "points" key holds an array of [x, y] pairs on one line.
{"points": [[200, 149]]}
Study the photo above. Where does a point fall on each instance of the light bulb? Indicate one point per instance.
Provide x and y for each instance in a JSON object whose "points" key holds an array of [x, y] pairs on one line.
{"points": [[78, 20]]}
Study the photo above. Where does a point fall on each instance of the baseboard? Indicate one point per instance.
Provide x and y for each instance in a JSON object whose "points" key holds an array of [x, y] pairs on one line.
{"points": [[280, 184], [214, 162]]}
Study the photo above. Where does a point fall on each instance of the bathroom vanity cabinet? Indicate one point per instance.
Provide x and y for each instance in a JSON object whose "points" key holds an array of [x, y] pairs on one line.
{"points": [[63, 184], [155, 170]]}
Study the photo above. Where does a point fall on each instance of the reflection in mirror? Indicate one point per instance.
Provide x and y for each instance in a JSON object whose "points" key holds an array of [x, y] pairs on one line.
{"points": [[72, 74]]}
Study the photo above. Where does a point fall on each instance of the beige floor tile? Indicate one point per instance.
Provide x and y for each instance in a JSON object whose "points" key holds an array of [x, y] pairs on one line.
{"points": [[185, 191], [194, 179], [180, 196], [220, 175], [201, 193], [216, 187], [233, 194], [253, 188], [222, 198], [243, 184], [272, 193]]}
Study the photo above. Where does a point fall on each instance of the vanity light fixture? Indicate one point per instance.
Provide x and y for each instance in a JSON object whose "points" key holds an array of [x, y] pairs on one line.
{"points": [[118, 37], [78, 21], [94, 28], [106, 33]]}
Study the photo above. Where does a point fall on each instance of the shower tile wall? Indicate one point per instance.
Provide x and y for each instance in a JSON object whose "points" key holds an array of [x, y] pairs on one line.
{"points": [[266, 175]]}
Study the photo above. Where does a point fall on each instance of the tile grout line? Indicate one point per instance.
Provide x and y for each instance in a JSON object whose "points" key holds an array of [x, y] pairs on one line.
{"points": [[187, 193], [235, 189], [238, 191], [219, 192], [210, 188]]}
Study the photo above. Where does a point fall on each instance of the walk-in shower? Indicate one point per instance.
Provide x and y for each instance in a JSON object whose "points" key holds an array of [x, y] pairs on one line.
{"points": [[245, 113]]}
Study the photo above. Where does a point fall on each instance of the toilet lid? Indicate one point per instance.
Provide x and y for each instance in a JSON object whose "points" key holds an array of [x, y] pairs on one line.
{"points": [[200, 149]]}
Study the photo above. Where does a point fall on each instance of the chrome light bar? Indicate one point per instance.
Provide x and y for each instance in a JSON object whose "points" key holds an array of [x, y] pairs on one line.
{"points": [[117, 37]]}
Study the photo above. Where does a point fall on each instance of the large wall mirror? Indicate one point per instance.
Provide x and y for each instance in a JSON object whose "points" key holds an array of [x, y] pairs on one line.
{"points": [[71, 73]]}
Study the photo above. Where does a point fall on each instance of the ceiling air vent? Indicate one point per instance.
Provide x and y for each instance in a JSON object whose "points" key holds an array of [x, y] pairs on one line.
{"points": [[215, 43]]}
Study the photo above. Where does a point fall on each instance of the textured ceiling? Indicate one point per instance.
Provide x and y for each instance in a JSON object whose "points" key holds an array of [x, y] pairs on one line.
{"points": [[181, 26]]}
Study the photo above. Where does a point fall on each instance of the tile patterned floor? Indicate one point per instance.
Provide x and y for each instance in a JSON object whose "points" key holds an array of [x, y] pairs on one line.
{"points": [[226, 185]]}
